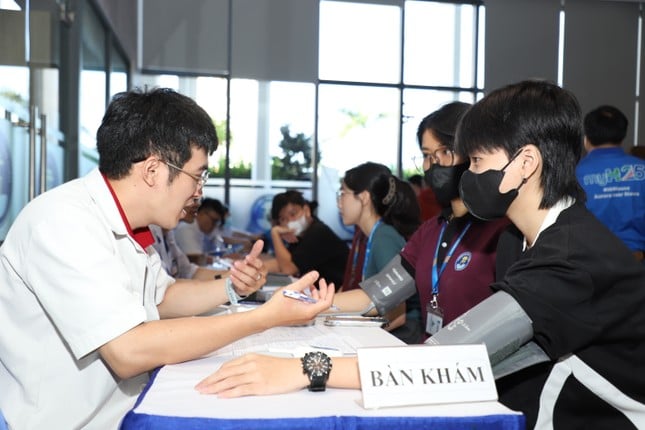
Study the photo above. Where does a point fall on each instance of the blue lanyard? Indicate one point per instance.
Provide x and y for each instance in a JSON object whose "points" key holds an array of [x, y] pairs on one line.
{"points": [[436, 274], [368, 248]]}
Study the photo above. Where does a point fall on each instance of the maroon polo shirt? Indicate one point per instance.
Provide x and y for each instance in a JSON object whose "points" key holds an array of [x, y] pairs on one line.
{"points": [[469, 272]]}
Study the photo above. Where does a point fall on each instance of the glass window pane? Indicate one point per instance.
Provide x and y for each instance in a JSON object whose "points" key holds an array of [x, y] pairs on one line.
{"points": [[417, 104], [290, 118], [356, 124], [93, 81], [14, 90], [481, 47], [359, 42], [260, 112], [439, 44], [118, 72]]}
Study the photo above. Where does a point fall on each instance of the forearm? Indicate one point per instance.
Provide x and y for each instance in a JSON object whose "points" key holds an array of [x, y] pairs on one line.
{"points": [[282, 255], [156, 343], [192, 297], [344, 373], [396, 317], [352, 301], [206, 274]]}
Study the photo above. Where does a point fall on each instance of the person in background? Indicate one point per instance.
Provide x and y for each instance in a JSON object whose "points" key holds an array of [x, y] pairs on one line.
{"points": [[357, 253], [579, 294], [386, 212], [367, 185], [452, 256], [301, 242], [200, 238], [428, 203], [86, 309], [237, 241], [613, 180], [175, 262]]}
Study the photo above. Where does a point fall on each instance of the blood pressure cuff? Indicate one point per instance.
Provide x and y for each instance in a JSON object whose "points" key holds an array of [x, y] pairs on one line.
{"points": [[502, 325], [391, 286]]}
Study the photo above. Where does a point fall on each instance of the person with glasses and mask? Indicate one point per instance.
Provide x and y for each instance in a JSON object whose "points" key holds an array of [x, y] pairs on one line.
{"points": [[451, 256], [86, 309], [302, 242]]}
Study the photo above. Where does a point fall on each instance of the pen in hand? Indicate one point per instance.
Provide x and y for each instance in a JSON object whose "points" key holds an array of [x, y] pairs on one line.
{"points": [[304, 298]]}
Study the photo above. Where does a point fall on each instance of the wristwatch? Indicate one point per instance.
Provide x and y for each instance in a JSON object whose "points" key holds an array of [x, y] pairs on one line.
{"points": [[316, 365]]}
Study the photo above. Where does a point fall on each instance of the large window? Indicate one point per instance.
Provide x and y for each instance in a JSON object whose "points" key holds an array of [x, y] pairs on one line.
{"points": [[381, 69], [374, 90]]}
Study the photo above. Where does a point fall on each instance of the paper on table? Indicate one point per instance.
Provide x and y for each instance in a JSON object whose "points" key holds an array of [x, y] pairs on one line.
{"points": [[284, 339]]}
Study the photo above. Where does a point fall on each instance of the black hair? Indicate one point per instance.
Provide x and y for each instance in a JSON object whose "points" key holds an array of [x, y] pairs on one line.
{"points": [[605, 124], [443, 123], [281, 200], [393, 199], [210, 204], [416, 180], [161, 121], [530, 112]]}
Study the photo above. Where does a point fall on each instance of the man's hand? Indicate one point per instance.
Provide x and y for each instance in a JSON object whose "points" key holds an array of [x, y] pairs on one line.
{"points": [[249, 274], [281, 310], [254, 374]]}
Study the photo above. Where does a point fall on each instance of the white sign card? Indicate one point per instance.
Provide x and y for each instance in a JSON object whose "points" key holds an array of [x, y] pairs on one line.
{"points": [[425, 374]]}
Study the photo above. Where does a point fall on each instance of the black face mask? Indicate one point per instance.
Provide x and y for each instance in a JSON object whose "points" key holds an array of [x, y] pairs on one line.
{"points": [[480, 193], [444, 181]]}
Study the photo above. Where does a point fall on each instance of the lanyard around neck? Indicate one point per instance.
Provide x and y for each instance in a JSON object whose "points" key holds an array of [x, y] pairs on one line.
{"points": [[368, 248], [436, 274]]}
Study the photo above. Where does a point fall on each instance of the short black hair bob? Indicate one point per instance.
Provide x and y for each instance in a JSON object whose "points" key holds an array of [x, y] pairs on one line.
{"points": [[530, 112]]}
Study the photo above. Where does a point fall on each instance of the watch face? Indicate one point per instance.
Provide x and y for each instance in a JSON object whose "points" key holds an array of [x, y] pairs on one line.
{"points": [[317, 364]]}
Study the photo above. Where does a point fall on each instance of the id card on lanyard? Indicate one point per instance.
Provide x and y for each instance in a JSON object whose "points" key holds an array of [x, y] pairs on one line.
{"points": [[434, 313]]}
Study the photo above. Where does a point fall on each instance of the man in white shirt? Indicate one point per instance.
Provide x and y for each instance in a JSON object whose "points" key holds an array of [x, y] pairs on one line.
{"points": [[86, 309]]}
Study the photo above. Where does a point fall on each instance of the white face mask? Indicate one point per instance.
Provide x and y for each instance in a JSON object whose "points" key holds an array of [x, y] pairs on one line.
{"points": [[299, 225]]}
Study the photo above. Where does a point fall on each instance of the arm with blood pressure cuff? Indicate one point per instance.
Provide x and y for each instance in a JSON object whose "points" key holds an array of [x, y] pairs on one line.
{"points": [[499, 321]]}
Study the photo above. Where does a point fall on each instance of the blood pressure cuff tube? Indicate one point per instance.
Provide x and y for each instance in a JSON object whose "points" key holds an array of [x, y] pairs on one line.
{"points": [[390, 287], [499, 322]]}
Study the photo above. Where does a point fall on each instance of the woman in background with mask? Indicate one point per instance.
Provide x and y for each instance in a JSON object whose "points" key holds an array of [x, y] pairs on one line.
{"points": [[451, 256], [302, 242]]}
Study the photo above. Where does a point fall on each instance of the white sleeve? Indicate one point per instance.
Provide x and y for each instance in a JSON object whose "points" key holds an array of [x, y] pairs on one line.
{"points": [[189, 238]]}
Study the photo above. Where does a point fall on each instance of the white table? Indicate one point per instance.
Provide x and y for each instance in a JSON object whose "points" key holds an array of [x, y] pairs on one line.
{"points": [[171, 402]]}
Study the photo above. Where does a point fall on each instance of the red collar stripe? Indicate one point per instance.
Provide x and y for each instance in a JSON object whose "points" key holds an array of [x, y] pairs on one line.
{"points": [[143, 236]]}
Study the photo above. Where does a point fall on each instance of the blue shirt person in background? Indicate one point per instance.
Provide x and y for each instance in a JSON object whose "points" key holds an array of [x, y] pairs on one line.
{"points": [[613, 180]]}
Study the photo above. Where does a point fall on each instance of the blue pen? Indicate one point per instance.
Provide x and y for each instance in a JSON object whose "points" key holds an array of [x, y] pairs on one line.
{"points": [[297, 295]]}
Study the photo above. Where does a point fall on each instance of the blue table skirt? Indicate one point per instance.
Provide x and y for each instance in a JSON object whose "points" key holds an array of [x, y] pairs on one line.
{"points": [[497, 422]]}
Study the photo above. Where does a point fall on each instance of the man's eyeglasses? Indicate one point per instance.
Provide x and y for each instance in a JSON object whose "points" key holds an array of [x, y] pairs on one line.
{"points": [[201, 179], [443, 156]]}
